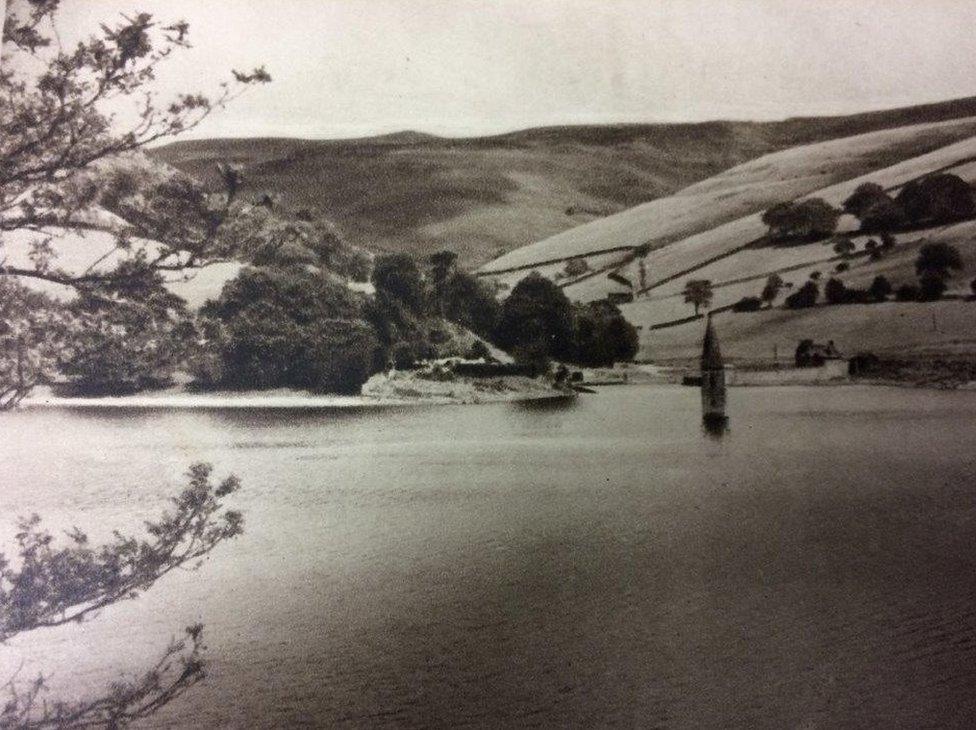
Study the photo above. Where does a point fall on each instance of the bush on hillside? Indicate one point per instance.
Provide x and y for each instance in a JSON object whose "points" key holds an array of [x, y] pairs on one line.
{"points": [[844, 247], [806, 296], [880, 289], [938, 258], [748, 304], [875, 208], [907, 293], [835, 292], [884, 215], [698, 293], [864, 196], [774, 283], [934, 265], [931, 286], [875, 252]]}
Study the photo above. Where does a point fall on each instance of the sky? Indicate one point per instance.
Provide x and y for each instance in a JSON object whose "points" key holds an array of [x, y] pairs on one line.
{"points": [[347, 68]]}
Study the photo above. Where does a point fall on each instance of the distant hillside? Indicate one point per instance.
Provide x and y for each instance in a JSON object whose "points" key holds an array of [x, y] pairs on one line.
{"points": [[483, 197]]}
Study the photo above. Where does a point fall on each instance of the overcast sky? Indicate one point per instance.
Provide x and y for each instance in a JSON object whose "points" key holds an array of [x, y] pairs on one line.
{"points": [[459, 67]]}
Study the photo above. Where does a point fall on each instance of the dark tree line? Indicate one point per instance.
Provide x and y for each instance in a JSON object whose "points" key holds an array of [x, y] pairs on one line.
{"points": [[539, 323]]}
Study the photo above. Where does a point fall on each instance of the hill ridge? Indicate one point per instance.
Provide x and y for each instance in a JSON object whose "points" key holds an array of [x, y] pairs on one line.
{"points": [[485, 196]]}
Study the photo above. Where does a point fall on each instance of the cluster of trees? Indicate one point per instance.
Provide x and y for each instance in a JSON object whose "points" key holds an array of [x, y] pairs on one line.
{"points": [[933, 266], [538, 323], [927, 201], [284, 327], [836, 292], [801, 221]]}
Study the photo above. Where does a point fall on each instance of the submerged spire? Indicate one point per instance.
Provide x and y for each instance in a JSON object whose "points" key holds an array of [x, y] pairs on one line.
{"points": [[711, 357]]}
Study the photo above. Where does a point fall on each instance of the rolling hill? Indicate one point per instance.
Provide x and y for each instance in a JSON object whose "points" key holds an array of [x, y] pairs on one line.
{"points": [[713, 230], [485, 197]]}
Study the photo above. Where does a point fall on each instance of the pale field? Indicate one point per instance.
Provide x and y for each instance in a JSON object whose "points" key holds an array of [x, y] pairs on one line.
{"points": [[690, 255], [893, 328], [667, 304], [749, 188]]}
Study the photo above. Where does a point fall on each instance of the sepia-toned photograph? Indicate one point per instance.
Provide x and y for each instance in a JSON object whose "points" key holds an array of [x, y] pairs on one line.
{"points": [[487, 364]]}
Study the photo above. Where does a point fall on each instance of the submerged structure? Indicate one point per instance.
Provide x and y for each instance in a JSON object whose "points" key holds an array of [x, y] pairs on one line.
{"points": [[712, 381]]}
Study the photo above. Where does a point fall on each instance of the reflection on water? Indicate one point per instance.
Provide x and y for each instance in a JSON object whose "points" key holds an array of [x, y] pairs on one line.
{"points": [[591, 563]]}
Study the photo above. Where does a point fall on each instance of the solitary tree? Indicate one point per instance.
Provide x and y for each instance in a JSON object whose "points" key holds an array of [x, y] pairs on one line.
{"points": [[938, 258], [835, 292], [774, 283], [880, 289], [934, 265], [875, 252], [698, 293]]}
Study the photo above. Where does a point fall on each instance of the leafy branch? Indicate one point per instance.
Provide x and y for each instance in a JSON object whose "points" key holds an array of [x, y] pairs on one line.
{"points": [[51, 586]]}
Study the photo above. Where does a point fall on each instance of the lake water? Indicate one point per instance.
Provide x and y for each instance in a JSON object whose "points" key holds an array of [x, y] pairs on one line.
{"points": [[602, 562]]}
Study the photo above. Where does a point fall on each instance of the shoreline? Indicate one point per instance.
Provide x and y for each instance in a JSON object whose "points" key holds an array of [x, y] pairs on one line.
{"points": [[397, 390]]}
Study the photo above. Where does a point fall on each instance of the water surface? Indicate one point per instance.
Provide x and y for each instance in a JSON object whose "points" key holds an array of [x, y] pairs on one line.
{"points": [[597, 563]]}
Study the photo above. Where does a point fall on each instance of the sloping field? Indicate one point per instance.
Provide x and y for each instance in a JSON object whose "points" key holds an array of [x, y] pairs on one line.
{"points": [[894, 327], [743, 190], [687, 258], [484, 197]]}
